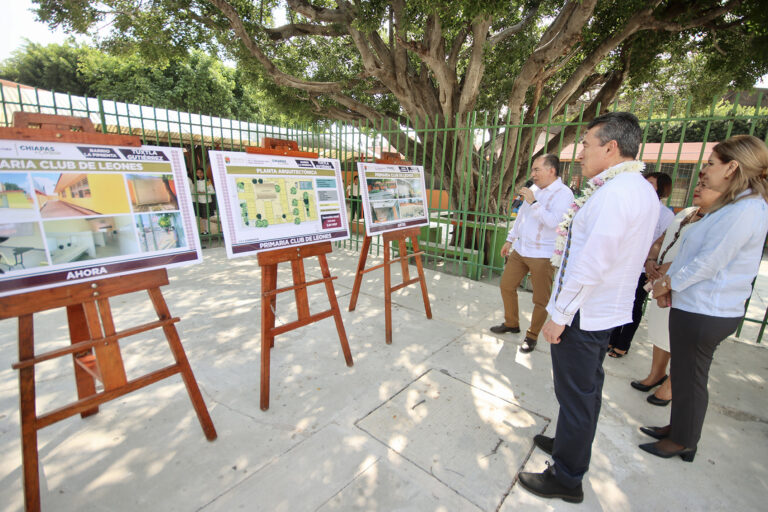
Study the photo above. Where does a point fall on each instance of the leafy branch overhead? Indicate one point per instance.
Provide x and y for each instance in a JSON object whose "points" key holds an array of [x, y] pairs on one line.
{"points": [[432, 63]]}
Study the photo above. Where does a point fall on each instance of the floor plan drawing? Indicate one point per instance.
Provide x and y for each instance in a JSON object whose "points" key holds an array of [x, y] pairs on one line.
{"points": [[271, 201]]}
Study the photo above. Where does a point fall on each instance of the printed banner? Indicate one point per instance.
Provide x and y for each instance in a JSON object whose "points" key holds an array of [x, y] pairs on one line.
{"points": [[79, 212], [272, 202], [394, 197]]}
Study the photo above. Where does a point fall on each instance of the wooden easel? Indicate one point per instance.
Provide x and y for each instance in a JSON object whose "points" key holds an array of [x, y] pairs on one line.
{"points": [[388, 237], [268, 262], [94, 347]]}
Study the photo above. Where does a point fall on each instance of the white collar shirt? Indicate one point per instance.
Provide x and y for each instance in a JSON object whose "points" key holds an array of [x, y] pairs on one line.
{"points": [[665, 218], [719, 257], [533, 233], [610, 237]]}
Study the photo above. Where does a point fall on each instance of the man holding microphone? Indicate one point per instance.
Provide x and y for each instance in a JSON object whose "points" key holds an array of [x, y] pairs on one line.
{"points": [[530, 244]]}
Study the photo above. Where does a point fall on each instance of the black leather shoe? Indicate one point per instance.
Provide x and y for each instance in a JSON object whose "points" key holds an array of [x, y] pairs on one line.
{"points": [[656, 432], [687, 454], [653, 399], [501, 329], [547, 486], [544, 443], [528, 345], [646, 388]]}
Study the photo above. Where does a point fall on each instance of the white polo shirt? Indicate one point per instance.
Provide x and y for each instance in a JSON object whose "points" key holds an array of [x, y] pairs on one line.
{"points": [[533, 232], [610, 238]]}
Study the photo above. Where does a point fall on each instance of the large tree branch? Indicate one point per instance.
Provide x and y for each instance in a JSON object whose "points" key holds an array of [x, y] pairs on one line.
{"points": [[518, 27], [470, 88], [315, 13], [702, 17], [337, 113], [286, 32], [280, 78]]}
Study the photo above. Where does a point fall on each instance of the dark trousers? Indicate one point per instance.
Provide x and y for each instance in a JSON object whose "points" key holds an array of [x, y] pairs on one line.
{"points": [[693, 339], [621, 337], [577, 368], [355, 207]]}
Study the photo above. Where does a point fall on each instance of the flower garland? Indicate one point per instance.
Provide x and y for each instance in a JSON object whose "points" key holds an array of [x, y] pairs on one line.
{"points": [[592, 186]]}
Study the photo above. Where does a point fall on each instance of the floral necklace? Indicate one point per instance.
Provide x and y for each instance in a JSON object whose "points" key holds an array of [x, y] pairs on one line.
{"points": [[592, 186]]}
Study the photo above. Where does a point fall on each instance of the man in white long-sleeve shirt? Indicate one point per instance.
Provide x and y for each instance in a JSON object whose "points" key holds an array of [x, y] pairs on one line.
{"points": [[603, 252], [530, 244]]}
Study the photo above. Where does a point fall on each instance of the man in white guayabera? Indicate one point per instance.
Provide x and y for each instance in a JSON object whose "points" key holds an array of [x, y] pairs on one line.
{"points": [[529, 247], [601, 245]]}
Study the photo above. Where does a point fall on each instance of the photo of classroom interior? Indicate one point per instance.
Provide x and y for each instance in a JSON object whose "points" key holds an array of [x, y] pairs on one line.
{"points": [[90, 238]]}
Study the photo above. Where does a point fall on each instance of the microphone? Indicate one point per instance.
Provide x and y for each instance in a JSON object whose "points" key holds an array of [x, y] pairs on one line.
{"points": [[517, 202]]}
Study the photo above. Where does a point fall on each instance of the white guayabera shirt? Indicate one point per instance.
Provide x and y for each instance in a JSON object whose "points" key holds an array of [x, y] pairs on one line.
{"points": [[533, 232], [610, 238]]}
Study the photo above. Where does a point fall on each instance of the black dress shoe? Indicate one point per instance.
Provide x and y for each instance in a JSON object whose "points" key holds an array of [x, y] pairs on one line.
{"points": [[547, 486], [501, 329], [646, 388], [653, 399], [528, 345], [544, 443], [687, 454], [656, 432]]}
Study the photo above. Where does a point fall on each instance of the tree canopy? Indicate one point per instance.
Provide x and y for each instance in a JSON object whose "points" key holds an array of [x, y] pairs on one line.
{"points": [[191, 82], [409, 62]]}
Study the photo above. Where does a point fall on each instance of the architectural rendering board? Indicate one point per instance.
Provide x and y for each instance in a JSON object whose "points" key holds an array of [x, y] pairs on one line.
{"points": [[272, 202], [77, 212], [394, 197]]}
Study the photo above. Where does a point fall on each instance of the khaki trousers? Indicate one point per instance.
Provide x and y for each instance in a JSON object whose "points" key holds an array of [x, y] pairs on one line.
{"points": [[542, 273]]}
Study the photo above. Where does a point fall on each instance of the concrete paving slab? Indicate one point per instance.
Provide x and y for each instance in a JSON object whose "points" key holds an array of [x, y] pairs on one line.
{"points": [[467, 438], [394, 484], [307, 476]]}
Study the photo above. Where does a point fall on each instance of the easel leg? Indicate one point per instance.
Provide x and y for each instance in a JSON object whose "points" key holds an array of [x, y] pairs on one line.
{"points": [[78, 331], [108, 357], [359, 273], [27, 409], [387, 294], [404, 260], [302, 297], [268, 283], [422, 281], [335, 307], [172, 335]]}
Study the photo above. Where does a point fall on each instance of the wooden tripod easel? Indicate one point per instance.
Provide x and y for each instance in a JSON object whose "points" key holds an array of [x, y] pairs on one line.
{"points": [[94, 346], [268, 262], [388, 237]]}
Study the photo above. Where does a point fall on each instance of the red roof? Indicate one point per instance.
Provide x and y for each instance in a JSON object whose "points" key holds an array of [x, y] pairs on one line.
{"points": [[689, 153]]}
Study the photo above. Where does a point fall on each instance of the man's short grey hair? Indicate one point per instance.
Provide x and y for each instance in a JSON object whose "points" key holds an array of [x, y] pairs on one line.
{"points": [[551, 162], [623, 127]]}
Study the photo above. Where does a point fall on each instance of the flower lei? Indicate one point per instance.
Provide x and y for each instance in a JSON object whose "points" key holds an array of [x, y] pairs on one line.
{"points": [[592, 186]]}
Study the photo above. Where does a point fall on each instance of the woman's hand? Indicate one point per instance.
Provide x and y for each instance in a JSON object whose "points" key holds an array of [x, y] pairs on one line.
{"points": [[652, 270], [662, 292]]}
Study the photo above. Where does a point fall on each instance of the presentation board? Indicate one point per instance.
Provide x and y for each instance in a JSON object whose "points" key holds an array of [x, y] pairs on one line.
{"points": [[78, 212], [272, 202], [394, 197]]}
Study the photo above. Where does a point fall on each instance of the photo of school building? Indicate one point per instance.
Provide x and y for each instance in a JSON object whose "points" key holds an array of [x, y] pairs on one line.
{"points": [[79, 194]]}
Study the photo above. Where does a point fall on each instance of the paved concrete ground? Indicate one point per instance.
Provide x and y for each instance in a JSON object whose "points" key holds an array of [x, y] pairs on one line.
{"points": [[441, 420]]}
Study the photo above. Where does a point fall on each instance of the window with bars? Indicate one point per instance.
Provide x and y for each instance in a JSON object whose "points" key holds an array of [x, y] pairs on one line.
{"points": [[81, 189]]}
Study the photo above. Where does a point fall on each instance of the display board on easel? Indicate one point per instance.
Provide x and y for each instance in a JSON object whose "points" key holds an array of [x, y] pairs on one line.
{"points": [[73, 212], [394, 196], [34, 149], [285, 206], [273, 201], [394, 202]]}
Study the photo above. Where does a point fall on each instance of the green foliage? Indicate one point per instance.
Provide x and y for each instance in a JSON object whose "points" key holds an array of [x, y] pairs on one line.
{"points": [[196, 82], [702, 61], [53, 67]]}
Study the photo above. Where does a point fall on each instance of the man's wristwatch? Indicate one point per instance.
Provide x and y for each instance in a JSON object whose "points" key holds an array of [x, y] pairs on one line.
{"points": [[534, 202]]}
